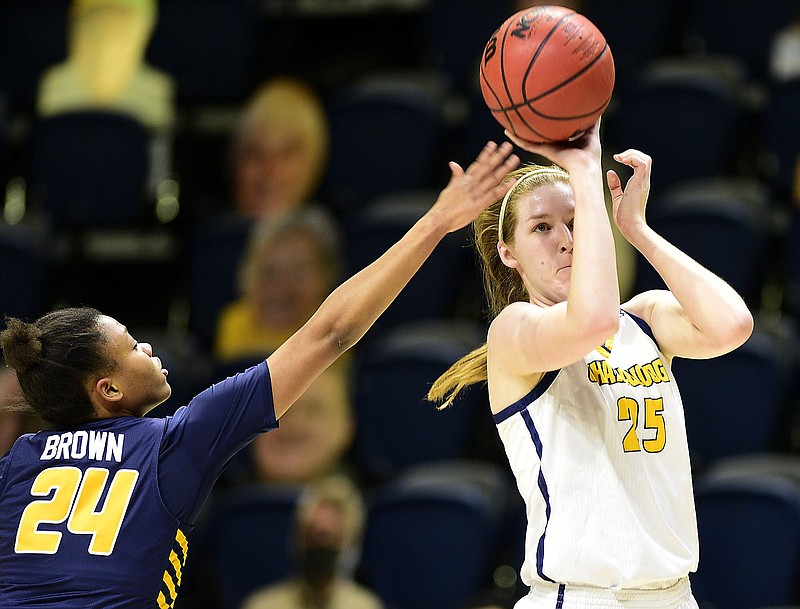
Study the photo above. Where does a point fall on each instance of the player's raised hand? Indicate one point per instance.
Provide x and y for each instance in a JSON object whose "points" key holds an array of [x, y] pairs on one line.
{"points": [[470, 191], [630, 202]]}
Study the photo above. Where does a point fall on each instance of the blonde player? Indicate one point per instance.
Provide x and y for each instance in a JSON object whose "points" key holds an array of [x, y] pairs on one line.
{"points": [[581, 388]]}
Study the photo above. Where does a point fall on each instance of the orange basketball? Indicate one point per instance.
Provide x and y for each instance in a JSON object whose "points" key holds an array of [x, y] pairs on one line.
{"points": [[547, 74]]}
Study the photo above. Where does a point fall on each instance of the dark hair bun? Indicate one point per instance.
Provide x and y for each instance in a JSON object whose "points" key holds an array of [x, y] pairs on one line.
{"points": [[22, 345]]}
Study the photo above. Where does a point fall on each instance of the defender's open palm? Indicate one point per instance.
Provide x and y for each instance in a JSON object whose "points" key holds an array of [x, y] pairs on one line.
{"points": [[469, 192]]}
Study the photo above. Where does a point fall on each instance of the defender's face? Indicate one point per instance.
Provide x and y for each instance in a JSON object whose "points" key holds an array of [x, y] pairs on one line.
{"points": [[140, 377]]}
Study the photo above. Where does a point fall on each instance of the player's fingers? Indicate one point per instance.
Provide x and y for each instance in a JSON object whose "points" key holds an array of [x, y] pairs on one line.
{"points": [[614, 183], [486, 153], [509, 164], [501, 158], [634, 158], [495, 165], [500, 190], [455, 169]]}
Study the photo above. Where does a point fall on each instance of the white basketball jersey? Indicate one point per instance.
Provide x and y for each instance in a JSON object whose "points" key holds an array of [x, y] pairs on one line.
{"points": [[600, 456]]}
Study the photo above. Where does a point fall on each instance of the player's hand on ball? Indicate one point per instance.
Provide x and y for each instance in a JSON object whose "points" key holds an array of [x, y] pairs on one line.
{"points": [[566, 154]]}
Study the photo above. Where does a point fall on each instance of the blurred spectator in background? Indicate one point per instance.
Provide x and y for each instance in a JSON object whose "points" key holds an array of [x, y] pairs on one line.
{"points": [[330, 520], [314, 437], [11, 418], [15, 418], [105, 67], [784, 64], [310, 447], [290, 265], [784, 58], [279, 149], [278, 153]]}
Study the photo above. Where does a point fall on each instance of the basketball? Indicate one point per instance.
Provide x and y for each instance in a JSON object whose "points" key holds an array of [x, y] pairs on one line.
{"points": [[547, 74]]}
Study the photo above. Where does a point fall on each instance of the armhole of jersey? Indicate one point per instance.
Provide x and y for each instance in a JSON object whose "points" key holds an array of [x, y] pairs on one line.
{"points": [[270, 396], [527, 399], [157, 474], [644, 326]]}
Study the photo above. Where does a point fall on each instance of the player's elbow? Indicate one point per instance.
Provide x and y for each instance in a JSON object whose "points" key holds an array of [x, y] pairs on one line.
{"points": [[730, 332], [737, 329], [341, 336], [601, 325]]}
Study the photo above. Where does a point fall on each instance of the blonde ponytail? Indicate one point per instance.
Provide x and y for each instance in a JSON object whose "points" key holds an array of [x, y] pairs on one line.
{"points": [[467, 371]]}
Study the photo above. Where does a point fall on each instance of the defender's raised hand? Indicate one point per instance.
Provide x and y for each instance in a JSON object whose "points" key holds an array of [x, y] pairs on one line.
{"points": [[470, 192]]}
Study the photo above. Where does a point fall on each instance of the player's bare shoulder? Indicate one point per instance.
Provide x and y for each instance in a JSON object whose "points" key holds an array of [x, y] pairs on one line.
{"points": [[505, 326]]}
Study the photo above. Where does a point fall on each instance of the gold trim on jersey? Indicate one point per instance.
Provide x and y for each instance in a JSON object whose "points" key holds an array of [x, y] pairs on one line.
{"points": [[174, 572], [605, 348]]}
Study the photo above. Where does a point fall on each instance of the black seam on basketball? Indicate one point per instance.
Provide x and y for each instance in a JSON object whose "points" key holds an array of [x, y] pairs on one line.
{"points": [[563, 83], [501, 35], [527, 103], [488, 84], [600, 108], [514, 107], [511, 116], [553, 118], [538, 52], [504, 38], [501, 57], [529, 106]]}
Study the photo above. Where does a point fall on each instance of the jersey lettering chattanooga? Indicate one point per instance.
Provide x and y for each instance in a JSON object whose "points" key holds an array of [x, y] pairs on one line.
{"points": [[602, 443]]}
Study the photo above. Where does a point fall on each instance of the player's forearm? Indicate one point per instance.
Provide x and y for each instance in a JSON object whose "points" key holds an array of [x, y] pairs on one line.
{"points": [[347, 314], [354, 306], [594, 287], [708, 301]]}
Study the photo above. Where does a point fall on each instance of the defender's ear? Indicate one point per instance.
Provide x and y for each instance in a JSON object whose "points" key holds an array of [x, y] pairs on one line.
{"points": [[107, 390]]}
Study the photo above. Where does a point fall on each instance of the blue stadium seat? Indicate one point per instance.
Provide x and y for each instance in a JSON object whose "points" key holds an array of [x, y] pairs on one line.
{"points": [[92, 169], [386, 136], [742, 29], [429, 541], [33, 37], [26, 266], [214, 249], [210, 47], [749, 528], [734, 403], [397, 427], [725, 224], [245, 541], [780, 136], [670, 107], [433, 293]]}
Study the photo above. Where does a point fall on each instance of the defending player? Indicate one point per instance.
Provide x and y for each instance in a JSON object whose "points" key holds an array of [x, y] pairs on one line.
{"points": [[96, 514]]}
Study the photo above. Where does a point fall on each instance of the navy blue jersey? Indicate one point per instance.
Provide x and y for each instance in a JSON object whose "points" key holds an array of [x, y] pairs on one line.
{"points": [[98, 515]]}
